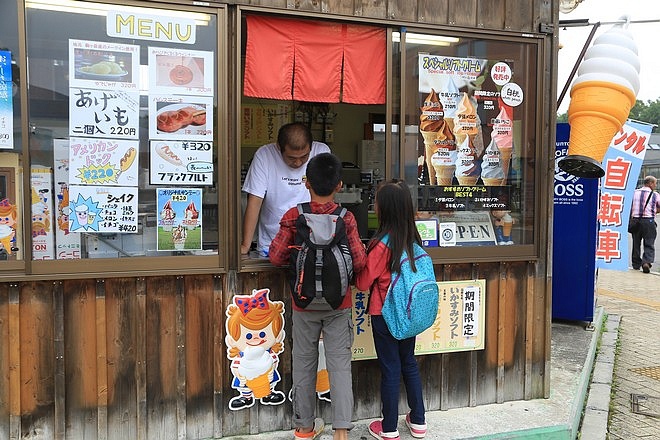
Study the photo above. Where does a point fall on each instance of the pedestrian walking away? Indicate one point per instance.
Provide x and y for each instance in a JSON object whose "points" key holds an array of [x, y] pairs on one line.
{"points": [[646, 202]]}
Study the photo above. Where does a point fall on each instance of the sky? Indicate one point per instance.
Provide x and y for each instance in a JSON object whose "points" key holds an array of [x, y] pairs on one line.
{"points": [[646, 35]]}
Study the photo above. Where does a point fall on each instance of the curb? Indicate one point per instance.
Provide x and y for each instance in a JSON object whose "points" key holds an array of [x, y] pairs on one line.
{"points": [[596, 410]]}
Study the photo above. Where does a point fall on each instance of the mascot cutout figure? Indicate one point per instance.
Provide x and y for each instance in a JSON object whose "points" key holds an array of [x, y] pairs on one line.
{"points": [[255, 337]]}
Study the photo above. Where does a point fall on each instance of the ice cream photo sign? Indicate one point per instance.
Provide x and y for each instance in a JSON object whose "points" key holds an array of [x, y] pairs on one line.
{"points": [[601, 98]]}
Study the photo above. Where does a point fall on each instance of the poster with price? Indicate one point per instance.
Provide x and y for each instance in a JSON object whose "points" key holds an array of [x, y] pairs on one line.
{"points": [[459, 326], [6, 112], [104, 65], [180, 71], [179, 219], [103, 209], [181, 163], [104, 113], [103, 162], [185, 118]]}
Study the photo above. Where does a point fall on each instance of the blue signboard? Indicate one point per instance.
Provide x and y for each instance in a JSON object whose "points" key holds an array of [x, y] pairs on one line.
{"points": [[575, 229], [6, 112]]}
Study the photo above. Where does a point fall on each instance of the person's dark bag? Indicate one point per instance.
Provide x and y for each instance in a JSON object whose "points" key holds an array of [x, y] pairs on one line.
{"points": [[633, 225], [634, 222], [321, 265]]}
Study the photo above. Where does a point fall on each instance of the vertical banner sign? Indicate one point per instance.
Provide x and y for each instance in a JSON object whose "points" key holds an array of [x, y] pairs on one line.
{"points": [[6, 112], [622, 163], [459, 324]]}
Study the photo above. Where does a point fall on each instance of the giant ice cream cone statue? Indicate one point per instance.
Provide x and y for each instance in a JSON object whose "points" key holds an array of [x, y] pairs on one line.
{"points": [[601, 98]]}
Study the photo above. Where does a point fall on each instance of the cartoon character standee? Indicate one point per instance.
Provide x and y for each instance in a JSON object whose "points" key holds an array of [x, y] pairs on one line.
{"points": [[255, 337]]}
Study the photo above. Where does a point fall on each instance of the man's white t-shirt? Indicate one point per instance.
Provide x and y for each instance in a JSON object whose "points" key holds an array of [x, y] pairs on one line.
{"points": [[280, 186]]}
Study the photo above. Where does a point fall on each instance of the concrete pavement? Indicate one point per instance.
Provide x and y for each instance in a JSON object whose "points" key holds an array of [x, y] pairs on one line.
{"points": [[619, 357], [635, 298]]}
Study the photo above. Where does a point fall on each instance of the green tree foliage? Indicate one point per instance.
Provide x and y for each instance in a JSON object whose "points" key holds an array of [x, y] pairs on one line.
{"points": [[648, 111]]}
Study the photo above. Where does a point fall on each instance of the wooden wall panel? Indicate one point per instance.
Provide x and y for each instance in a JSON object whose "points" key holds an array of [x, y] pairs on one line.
{"points": [[199, 356], [371, 8], [402, 10], [519, 16], [4, 360], [340, 7], [462, 12], [80, 359], [432, 11], [121, 320], [304, 5], [514, 333], [161, 359], [491, 14]]}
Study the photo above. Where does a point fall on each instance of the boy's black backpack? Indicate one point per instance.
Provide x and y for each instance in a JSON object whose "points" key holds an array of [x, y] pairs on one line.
{"points": [[321, 262]]}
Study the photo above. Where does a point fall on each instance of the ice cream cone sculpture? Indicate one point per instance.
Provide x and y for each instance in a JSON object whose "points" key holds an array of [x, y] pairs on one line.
{"points": [[492, 171], [601, 98], [503, 136], [467, 166], [438, 140]]}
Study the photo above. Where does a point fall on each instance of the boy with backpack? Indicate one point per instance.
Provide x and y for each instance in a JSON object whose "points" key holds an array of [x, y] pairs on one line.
{"points": [[320, 242]]}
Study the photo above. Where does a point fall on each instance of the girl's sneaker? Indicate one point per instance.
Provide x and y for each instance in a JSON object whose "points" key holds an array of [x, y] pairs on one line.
{"points": [[376, 429], [417, 431]]}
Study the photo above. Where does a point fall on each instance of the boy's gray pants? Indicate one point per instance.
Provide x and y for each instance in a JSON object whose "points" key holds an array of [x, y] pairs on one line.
{"points": [[337, 327]]}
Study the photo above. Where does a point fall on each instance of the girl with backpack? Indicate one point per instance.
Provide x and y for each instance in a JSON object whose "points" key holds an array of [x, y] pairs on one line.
{"points": [[396, 233]]}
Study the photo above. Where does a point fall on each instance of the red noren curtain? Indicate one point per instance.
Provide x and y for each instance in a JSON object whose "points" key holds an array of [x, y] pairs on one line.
{"points": [[302, 59]]}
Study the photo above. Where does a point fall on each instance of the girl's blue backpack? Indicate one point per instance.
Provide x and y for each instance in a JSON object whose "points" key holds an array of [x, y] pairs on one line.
{"points": [[411, 302]]}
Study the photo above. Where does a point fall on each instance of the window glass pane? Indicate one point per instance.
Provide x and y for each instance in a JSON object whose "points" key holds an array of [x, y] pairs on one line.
{"points": [[122, 114], [470, 138], [11, 214]]}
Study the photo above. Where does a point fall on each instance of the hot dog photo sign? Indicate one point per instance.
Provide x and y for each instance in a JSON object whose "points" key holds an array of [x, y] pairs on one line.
{"points": [[103, 161], [181, 163]]}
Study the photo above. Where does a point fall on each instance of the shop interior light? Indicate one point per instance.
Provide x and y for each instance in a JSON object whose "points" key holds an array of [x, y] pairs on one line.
{"points": [[101, 9], [433, 40]]}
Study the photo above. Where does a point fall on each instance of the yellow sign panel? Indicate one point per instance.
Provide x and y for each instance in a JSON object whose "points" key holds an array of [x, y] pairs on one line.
{"points": [[261, 122], [459, 325]]}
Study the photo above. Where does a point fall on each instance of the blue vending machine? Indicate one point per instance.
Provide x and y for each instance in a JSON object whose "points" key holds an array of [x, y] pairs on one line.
{"points": [[574, 240]]}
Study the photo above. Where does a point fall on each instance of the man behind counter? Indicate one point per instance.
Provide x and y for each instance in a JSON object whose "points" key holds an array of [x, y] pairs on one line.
{"points": [[275, 182]]}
